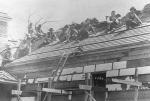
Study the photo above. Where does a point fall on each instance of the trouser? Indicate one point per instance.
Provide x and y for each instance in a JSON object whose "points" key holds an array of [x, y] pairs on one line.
{"points": [[131, 24], [112, 25]]}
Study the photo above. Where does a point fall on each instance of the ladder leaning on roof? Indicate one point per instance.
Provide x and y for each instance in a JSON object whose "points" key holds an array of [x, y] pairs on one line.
{"points": [[60, 66], [59, 69]]}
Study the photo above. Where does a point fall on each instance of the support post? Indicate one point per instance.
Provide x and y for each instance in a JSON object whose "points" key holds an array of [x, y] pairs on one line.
{"points": [[19, 85], [106, 95], [70, 96], [38, 98], [87, 82], [19, 89], [136, 87], [49, 97]]}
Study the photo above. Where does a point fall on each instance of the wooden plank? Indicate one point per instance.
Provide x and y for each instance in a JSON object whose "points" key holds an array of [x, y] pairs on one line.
{"points": [[114, 87], [67, 71], [120, 65], [78, 69], [89, 68], [127, 82], [57, 91], [16, 92], [85, 87], [128, 71], [112, 73], [78, 77], [135, 57], [8, 81], [136, 93], [103, 67], [144, 70]]}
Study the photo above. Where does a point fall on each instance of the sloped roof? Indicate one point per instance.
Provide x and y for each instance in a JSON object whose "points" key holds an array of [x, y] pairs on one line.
{"points": [[118, 38], [5, 77]]}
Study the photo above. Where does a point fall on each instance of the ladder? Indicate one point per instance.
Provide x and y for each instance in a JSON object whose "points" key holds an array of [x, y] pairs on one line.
{"points": [[60, 67]]}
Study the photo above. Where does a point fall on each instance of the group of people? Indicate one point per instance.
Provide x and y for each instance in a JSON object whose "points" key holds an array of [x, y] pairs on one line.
{"points": [[76, 32], [35, 32], [131, 20]]}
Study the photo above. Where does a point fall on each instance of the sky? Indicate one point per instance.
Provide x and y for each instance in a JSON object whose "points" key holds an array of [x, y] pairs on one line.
{"points": [[61, 11]]}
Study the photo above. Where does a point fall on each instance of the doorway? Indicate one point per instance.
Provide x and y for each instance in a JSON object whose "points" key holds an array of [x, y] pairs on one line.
{"points": [[99, 83]]}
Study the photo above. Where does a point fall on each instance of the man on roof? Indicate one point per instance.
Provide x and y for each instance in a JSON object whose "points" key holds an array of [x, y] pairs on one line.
{"points": [[113, 20], [39, 31], [132, 18], [30, 29], [51, 35]]}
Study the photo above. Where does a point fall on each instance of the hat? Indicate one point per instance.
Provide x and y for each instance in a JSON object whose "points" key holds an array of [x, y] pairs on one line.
{"points": [[118, 15], [51, 29], [132, 8]]}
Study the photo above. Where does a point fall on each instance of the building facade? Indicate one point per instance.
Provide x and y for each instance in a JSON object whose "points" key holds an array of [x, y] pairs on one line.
{"points": [[122, 55]]}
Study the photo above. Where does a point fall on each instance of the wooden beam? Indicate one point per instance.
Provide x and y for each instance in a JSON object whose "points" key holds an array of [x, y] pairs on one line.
{"points": [[49, 97], [8, 81], [136, 83], [85, 87], [136, 88], [39, 94], [16, 92], [57, 91]]}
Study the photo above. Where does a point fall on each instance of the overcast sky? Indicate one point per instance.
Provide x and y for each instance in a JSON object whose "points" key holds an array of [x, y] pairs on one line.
{"points": [[64, 11]]}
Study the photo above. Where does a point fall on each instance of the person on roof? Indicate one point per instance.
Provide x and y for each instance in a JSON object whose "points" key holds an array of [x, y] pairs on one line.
{"points": [[30, 29], [68, 35], [39, 30], [50, 34], [113, 20], [132, 19]]}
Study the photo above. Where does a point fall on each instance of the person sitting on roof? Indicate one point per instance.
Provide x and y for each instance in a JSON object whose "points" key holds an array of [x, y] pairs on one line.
{"points": [[30, 29], [132, 19], [113, 20], [68, 35], [39, 30], [51, 35]]}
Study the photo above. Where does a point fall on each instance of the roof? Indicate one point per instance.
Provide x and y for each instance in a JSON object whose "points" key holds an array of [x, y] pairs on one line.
{"points": [[7, 78], [118, 38]]}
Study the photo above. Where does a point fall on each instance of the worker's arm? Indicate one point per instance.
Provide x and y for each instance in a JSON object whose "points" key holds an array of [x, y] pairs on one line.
{"points": [[138, 18]]}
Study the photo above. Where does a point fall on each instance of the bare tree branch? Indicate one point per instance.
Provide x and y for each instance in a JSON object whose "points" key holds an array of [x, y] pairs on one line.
{"points": [[38, 21]]}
